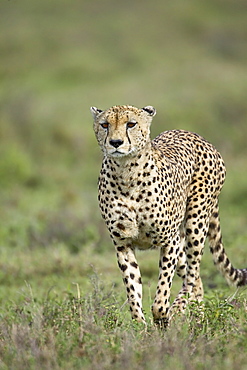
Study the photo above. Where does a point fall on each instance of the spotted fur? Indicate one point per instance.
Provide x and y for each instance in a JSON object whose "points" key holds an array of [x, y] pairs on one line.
{"points": [[160, 194]]}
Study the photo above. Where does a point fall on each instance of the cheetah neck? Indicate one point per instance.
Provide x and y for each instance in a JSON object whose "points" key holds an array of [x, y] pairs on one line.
{"points": [[130, 169]]}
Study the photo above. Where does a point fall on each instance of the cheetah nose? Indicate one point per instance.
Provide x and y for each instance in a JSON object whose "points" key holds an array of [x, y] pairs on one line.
{"points": [[116, 143]]}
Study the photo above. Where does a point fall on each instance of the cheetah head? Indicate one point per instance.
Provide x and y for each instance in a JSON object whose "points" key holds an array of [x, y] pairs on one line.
{"points": [[122, 130]]}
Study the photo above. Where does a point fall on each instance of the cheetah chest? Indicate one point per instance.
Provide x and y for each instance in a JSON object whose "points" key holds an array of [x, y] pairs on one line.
{"points": [[137, 212]]}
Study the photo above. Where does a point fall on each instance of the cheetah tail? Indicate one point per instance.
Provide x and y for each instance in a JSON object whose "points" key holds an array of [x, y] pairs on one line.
{"points": [[236, 277]]}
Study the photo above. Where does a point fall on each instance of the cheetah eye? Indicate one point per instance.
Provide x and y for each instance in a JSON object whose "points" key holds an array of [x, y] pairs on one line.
{"points": [[104, 125], [131, 124]]}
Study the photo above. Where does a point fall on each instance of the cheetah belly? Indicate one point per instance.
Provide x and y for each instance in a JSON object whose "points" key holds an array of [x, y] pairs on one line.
{"points": [[144, 240]]}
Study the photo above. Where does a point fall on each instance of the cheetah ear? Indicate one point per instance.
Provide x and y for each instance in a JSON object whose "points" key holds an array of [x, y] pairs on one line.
{"points": [[150, 110], [95, 112]]}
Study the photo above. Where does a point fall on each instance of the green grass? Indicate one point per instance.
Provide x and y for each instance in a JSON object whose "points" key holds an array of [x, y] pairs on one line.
{"points": [[94, 332], [61, 294]]}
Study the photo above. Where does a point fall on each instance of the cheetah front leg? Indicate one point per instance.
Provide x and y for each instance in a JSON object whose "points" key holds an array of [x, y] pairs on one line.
{"points": [[132, 279], [167, 266]]}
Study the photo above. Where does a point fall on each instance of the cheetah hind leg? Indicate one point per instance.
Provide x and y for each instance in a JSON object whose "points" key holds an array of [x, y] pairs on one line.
{"points": [[184, 298], [180, 303]]}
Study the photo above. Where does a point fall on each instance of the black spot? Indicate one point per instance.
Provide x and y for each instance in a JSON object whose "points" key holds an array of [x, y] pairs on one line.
{"points": [[212, 225], [121, 226], [123, 268], [217, 248], [227, 262], [221, 257], [134, 264]]}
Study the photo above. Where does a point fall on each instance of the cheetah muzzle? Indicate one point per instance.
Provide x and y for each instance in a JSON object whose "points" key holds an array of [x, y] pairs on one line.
{"points": [[160, 194]]}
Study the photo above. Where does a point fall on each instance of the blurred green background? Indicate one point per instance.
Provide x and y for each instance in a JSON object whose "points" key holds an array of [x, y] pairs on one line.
{"points": [[186, 58]]}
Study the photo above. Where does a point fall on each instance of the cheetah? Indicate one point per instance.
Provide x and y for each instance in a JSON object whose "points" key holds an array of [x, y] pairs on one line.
{"points": [[160, 193]]}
